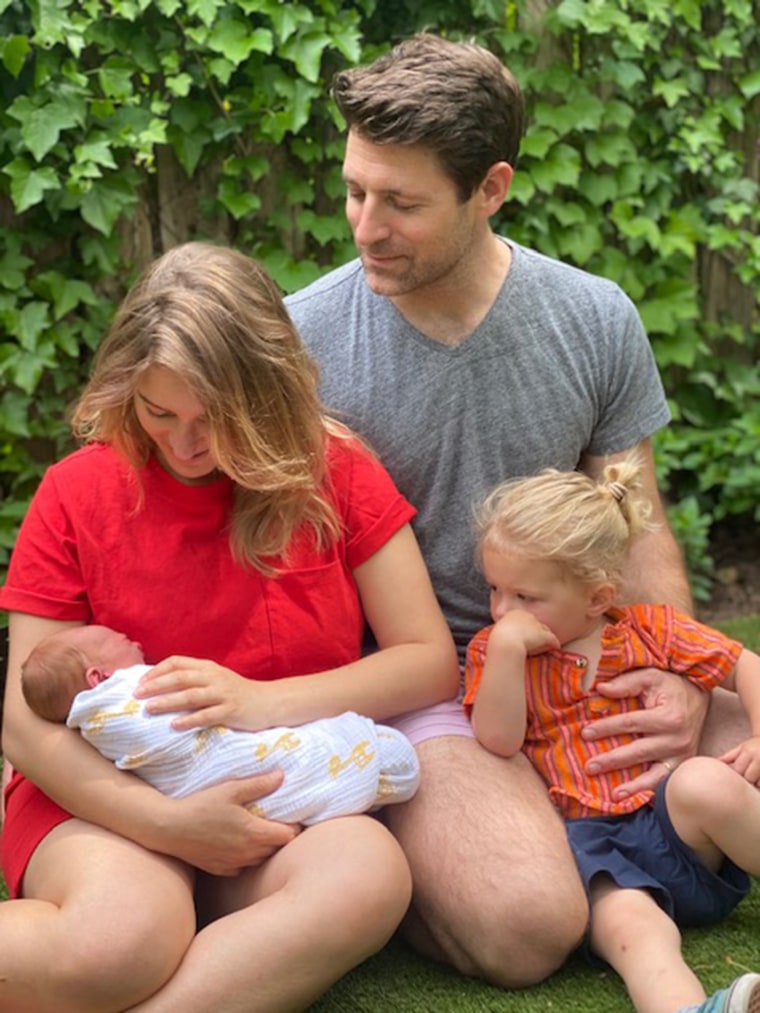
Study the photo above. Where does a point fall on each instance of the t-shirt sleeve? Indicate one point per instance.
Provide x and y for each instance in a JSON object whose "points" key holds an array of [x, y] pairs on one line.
{"points": [[44, 576], [635, 405], [371, 507]]}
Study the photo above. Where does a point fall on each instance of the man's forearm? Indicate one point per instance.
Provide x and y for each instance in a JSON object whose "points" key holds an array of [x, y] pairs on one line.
{"points": [[656, 572]]}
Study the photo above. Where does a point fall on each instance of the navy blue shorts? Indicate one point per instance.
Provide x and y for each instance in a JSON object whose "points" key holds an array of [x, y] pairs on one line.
{"points": [[642, 851]]}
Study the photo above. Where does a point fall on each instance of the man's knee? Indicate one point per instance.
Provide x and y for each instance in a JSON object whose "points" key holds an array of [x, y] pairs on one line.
{"points": [[512, 945], [523, 948]]}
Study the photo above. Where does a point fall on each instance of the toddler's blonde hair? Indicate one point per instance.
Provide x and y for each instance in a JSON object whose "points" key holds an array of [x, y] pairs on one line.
{"points": [[584, 525]]}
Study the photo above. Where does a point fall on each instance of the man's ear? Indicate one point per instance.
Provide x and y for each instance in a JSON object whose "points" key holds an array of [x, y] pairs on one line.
{"points": [[495, 186], [601, 598], [94, 675]]}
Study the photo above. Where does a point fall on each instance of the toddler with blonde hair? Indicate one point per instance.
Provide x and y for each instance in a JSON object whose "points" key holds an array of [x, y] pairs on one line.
{"points": [[553, 548]]}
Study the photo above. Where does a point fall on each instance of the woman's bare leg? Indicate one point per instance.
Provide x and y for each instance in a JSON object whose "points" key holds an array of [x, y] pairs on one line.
{"points": [[496, 889], [286, 931], [103, 924]]}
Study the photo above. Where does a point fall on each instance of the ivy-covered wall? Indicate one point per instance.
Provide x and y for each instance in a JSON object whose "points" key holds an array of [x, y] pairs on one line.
{"points": [[127, 126]]}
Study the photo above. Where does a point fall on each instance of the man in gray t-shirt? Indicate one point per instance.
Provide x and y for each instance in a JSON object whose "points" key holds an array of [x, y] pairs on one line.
{"points": [[542, 381], [464, 358]]}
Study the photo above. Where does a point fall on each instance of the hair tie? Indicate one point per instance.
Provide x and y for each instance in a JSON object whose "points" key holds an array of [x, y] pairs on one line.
{"points": [[617, 489]]}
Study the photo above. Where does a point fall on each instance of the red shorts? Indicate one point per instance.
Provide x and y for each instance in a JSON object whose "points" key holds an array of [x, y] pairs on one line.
{"points": [[29, 816]]}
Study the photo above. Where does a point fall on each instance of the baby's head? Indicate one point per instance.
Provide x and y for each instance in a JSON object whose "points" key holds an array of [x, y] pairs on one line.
{"points": [[66, 662], [559, 537]]}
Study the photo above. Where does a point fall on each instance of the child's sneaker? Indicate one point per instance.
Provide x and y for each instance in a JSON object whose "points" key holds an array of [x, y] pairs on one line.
{"points": [[743, 996]]}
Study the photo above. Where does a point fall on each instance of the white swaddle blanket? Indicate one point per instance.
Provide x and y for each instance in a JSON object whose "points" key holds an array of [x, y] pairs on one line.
{"points": [[333, 766]]}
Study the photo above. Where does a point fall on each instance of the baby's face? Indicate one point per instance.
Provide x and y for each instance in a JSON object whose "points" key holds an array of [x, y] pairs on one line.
{"points": [[106, 648]]}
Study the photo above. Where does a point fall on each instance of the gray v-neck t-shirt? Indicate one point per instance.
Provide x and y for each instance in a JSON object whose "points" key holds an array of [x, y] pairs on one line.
{"points": [[560, 366]]}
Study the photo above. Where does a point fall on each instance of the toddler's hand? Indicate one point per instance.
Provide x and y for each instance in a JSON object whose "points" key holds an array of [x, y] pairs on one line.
{"points": [[745, 759], [519, 625]]}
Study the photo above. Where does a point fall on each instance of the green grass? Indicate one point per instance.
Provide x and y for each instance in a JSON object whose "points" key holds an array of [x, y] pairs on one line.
{"points": [[745, 629], [399, 981]]}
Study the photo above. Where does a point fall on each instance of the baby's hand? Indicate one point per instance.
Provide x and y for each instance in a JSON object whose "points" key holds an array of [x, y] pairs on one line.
{"points": [[517, 625], [745, 759]]}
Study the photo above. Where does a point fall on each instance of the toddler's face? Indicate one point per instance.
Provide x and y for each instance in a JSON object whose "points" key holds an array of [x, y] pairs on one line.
{"points": [[517, 581]]}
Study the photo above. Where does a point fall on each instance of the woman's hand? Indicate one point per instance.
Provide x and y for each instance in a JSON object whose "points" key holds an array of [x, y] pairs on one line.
{"points": [[206, 694], [668, 726], [213, 829]]}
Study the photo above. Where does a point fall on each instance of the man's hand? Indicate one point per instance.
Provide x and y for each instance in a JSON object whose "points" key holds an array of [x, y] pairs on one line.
{"points": [[669, 723]]}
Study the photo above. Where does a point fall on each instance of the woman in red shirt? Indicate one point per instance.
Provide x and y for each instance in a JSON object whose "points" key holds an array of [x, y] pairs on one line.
{"points": [[217, 511]]}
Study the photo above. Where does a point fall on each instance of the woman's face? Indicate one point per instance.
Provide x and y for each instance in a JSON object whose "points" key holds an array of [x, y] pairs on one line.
{"points": [[175, 420]]}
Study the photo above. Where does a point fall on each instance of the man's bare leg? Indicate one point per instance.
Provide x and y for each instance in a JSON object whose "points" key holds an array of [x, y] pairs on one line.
{"points": [[496, 890], [726, 724]]}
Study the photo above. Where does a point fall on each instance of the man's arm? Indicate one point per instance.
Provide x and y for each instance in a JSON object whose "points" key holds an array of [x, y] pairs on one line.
{"points": [[656, 572]]}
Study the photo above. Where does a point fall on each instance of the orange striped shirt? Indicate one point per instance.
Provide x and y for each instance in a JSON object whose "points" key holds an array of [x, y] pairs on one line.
{"points": [[640, 636]]}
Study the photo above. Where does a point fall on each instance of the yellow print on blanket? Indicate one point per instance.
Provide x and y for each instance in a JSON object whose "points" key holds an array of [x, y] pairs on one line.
{"points": [[285, 742], [204, 735], [359, 757], [98, 721]]}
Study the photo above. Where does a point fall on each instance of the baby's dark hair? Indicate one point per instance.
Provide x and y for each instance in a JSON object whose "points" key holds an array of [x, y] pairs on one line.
{"points": [[583, 524], [51, 677]]}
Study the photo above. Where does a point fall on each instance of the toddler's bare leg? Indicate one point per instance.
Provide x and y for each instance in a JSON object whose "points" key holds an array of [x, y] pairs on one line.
{"points": [[643, 944], [716, 812]]}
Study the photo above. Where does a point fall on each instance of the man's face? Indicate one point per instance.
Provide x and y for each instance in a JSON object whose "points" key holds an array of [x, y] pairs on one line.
{"points": [[409, 225]]}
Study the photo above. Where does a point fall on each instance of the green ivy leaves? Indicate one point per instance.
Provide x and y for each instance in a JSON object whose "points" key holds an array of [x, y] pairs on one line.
{"points": [[130, 125]]}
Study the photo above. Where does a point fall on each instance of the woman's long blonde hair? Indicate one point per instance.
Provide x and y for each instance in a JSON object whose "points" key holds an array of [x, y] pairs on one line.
{"points": [[583, 525], [216, 319]]}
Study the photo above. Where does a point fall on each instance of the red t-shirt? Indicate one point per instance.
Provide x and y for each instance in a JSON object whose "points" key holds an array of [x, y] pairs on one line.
{"points": [[152, 559]]}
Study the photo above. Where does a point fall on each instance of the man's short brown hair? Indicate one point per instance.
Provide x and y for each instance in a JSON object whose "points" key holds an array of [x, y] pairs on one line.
{"points": [[455, 98]]}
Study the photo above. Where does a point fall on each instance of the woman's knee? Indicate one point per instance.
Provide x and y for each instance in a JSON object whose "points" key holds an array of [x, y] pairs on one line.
{"points": [[376, 885], [355, 866], [111, 966], [120, 920]]}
